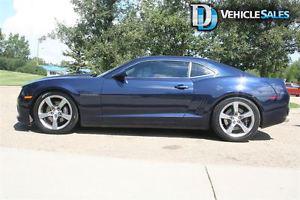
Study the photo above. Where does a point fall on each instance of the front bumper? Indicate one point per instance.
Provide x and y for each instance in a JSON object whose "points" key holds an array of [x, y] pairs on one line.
{"points": [[24, 115], [23, 108]]}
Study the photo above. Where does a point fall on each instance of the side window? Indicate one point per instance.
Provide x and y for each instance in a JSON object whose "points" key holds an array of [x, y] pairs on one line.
{"points": [[159, 69], [199, 70]]}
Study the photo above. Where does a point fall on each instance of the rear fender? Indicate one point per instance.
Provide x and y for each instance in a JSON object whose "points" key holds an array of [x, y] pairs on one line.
{"points": [[218, 88], [209, 92]]}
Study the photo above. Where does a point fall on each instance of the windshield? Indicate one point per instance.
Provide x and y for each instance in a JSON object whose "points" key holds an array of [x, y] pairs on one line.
{"points": [[104, 73], [113, 69]]}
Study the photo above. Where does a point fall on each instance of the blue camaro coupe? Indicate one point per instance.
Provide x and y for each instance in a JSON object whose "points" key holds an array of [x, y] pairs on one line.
{"points": [[158, 92]]}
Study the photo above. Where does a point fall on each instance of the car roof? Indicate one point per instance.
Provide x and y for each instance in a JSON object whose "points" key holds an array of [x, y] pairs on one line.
{"points": [[182, 58]]}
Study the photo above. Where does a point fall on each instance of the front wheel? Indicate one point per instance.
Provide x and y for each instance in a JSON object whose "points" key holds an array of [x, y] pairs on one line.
{"points": [[236, 119], [55, 112]]}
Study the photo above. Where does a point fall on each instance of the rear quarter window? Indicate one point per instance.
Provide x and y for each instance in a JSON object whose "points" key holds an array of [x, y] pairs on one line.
{"points": [[200, 70]]}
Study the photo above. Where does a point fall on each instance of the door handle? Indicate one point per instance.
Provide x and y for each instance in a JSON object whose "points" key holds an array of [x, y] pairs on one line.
{"points": [[181, 87]]}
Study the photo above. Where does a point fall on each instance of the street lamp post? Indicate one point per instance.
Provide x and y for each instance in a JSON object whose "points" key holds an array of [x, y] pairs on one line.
{"points": [[40, 40]]}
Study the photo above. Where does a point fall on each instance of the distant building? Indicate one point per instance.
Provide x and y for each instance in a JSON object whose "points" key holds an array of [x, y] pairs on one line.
{"points": [[53, 70]]}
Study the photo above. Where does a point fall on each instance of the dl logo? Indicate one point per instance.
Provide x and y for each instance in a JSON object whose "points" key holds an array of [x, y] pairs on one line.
{"points": [[204, 17]]}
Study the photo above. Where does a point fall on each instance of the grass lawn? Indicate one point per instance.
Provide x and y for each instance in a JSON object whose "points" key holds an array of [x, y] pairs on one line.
{"points": [[294, 105], [16, 78]]}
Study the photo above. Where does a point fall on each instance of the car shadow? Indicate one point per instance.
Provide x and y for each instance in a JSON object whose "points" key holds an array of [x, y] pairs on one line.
{"points": [[21, 127], [145, 132], [149, 132]]}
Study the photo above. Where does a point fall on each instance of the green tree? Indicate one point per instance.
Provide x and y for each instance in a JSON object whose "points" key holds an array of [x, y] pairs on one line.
{"points": [[167, 27], [123, 42], [293, 72], [109, 32], [298, 36], [72, 37], [2, 37], [255, 44], [16, 46], [95, 18]]}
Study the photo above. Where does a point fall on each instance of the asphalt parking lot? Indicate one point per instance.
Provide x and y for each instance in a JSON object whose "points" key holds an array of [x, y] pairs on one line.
{"points": [[107, 163]]}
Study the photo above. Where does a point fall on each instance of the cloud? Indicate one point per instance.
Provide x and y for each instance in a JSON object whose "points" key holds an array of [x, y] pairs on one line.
{"points": [[35, 18]]}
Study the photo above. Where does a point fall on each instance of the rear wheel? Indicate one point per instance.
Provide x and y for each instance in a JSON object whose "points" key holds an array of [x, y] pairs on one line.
{"points": [[236, 119], [55, 112]]}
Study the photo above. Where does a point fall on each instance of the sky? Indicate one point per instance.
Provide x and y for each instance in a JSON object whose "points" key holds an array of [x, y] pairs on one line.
{"points": [[35, 18]]}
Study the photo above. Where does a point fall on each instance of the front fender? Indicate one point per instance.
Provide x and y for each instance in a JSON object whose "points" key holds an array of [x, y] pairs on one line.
{"points": [[85, 91]]}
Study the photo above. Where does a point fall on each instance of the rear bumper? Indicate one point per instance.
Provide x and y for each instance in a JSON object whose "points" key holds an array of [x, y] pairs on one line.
{"points": [[274, 117]]}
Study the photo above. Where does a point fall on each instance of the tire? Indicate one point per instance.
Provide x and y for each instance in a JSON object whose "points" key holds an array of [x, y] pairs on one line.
{"points": [[57, 116], [235, 126]]}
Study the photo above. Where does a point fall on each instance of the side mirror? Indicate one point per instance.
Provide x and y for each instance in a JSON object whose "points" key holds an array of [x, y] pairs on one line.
{"points": [[120, 77]]}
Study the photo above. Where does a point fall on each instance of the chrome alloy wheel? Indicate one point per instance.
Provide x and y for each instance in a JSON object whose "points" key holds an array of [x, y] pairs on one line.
{"points": [[236, 119], [55, 112]]}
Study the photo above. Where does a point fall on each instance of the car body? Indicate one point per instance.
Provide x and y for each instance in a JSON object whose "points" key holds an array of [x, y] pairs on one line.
{"points": [[159, 92], [293, 89]]}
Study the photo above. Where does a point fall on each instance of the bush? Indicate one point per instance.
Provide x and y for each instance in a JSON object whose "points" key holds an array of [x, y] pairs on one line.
{"points": [[31, 68], [21, 65], [11, 64]]}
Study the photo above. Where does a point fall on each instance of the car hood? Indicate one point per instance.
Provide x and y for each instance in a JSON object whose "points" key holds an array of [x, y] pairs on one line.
{"points": [[70, 76], [65, 77]]}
